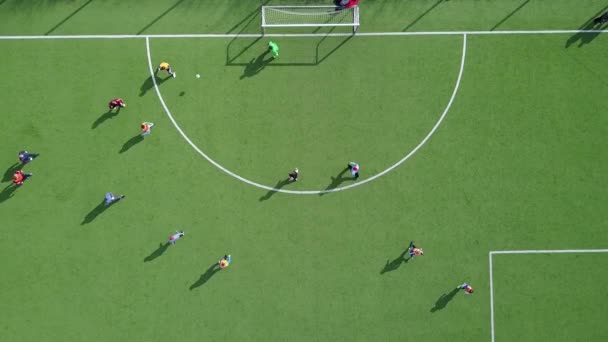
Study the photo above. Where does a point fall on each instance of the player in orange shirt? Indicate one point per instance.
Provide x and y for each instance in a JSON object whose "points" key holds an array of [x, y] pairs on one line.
{"points": [[167, 67], [146, 128], [225, 261], [414, 251], [19, 177]]}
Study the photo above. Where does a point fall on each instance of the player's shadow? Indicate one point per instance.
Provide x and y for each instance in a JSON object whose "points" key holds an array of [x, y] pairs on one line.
{"points": [[443, 300], [105, 116], [131, 142], [100, 208], [583, 37], [237, 53], [274, 190], [7, 192], [8, 174], [149, 83], [213, 269], [256, 65], [395, 263], [158, 252], [336, 181]]}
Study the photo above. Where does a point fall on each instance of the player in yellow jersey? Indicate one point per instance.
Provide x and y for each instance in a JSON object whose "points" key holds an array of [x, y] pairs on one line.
{"points": [[225, 261], [167, 67]]}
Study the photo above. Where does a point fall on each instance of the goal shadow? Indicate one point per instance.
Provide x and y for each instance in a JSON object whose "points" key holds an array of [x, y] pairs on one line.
{"points": [[243, 51]]}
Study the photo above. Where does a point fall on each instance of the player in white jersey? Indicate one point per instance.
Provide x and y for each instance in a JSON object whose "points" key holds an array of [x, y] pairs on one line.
{"points": [[354, 169], [178, 235]]}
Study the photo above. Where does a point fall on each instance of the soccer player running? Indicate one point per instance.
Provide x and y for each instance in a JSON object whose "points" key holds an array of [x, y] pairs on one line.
{"points": [[146, 128], [225, 261], [19, 177], [110, 198], [120, 103], [273, 48], [178, 235], [26, 157], [468, 289], [414, 251], [165, 67], [293, 175], [354, 169]]}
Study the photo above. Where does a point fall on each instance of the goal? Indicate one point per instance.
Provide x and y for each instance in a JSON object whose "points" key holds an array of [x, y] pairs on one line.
{"points": [[309, 16]]}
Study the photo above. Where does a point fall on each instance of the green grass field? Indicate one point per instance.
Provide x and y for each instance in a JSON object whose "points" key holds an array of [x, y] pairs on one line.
{"points": [[570, 284], [518, 163]]}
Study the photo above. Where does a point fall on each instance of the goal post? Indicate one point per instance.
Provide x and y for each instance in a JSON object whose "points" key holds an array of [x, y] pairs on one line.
{"points": [[309, 16]]}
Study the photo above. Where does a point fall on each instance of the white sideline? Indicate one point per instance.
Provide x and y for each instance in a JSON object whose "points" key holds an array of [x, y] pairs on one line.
{"points": [[296, 35], [532, 251], [311, 192]]}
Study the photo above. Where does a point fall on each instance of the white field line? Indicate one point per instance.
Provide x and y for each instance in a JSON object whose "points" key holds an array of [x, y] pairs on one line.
{"points": [[311, 192], [491, 298], [162, 101], [531, 251], [551, 251], [279, 35]]}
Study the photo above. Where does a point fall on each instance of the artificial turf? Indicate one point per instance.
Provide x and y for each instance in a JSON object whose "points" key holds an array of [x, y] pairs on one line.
{"points": [[518, 163]]}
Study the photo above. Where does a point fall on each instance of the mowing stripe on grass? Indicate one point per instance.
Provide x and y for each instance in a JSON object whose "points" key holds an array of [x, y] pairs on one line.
{"points": [[301, 35], [309, 192], [531, 251]]}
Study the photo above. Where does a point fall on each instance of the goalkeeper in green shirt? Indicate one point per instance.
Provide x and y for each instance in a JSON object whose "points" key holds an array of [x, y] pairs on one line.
{"points": [[273, 48]]}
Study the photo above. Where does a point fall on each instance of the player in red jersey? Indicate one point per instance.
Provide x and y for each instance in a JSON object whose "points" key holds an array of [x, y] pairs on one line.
{"points": [[19, 177], [466, 287], [117, 103]]}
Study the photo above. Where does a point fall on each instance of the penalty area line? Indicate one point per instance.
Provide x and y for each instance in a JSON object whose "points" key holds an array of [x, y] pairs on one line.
{"points": [[310, 192], [530, 251], [550, 251], [181, 132]]}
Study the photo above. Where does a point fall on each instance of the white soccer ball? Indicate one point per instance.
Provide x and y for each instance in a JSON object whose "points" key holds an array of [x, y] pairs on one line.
{"points": [[198, 76]]}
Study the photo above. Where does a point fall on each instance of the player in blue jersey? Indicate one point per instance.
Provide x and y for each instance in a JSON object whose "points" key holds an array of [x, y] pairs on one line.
{"points": [[26, 157], [468, 289]]}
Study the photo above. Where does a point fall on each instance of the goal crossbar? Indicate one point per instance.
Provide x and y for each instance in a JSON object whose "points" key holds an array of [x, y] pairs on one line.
{"points": [[309, 16]]}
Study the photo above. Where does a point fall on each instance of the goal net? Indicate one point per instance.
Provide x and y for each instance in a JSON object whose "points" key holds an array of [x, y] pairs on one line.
{"points": [[309, 16]]}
